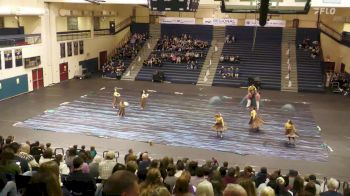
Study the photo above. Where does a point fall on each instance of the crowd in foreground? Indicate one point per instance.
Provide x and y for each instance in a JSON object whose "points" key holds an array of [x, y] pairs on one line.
{"points": [[83, 172]]}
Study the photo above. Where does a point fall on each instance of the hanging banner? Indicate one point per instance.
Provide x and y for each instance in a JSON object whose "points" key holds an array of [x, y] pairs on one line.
{"points": [[75, 46], [176, 20], [18, 57], [81, 47], [69, 48], [63, 50], [220, 21], [8, 59], [269, 23]]}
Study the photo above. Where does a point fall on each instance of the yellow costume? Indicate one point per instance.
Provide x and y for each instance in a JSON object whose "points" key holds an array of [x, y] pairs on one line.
{"points": [[255, 121], [219, 126], [251, 88], [143, 101], [121, 111], [290, 130]]}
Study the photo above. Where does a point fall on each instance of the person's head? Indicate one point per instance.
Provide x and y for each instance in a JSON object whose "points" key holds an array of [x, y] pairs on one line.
{"points": [[312, 178], [43, 183], [97, 159], [154, 163], [77, 163], [263, 170], [131, 166], [130, 151], [298, 185], [92, 148], [110, 155], [75, 147], [225, 164], [186, 174], [332, 184], [181, 185], [72, 152], [160, 191], [290, 121], [192, 166], [144, 156], [48, 145], [216, 181], [118, 167], [180, 165], [231, 172], [7, 155], [15, 146], [51, 167], [248, 185], [153, 176], [47, 154], [171, 170], [310, 188], [164, 163], [83, 147], [222, 171], [267, 191], [122, 183], [24, 148], [234, 190]]}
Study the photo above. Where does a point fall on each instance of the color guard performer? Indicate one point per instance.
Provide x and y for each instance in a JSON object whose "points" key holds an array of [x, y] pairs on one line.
{"points": [[116, 97], [144, 97], [122, 106], [291, 132], [255, 121], [219, 126]]}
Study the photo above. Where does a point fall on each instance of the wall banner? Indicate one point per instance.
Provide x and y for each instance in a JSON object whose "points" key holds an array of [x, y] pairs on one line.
{"points": [[220, 21], [176, 20], [8, 59], [18, 57], [269, 23]]}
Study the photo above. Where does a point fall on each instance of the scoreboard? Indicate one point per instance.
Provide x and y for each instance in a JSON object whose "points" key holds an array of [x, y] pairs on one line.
{"points": [[174, 5]]}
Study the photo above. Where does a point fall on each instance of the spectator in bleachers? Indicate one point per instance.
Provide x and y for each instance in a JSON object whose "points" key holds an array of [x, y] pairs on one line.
{"points": [[129, 155], [298, 185], [261, 176], [145, 161], [107, 165], [23, 163], [48, 146], [153, 180], [132, 166], [170, 179], [282, 187], [182, 187], [51, 167], [7, 188], [94, 166], [71, 154], [267, 191], [180, 167], [312, 178], [310, 189], [85, 167], [63, 168], [217, 183], [93, 152], [8, 165], [24, 151], [47, 156], [123, 183], [248, 185], [43, 183], [230, 176], [234, 190], [332, 186], [80, 183], [229, 39]]}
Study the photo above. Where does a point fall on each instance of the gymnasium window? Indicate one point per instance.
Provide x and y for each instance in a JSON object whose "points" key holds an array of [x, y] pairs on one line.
{"points": [[72, 23]]}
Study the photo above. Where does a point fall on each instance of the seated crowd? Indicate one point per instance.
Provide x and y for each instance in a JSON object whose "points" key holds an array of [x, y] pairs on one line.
{"points": [[115, 67], [84, 173], [229, 59], [312, 46], [183, 49], [229, 39], [229, 72]]}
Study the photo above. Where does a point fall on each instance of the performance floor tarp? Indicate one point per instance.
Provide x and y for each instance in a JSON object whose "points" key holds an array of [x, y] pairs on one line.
{"points": [[184, 120]]}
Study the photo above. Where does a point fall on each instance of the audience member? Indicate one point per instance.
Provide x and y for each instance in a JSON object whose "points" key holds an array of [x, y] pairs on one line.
{"points": [[234, 190], [332, 186], [106, 166], [123, 183]]}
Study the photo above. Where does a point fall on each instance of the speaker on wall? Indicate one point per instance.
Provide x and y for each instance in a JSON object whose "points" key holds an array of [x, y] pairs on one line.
{"points": [[264, 9], [111, 27]]}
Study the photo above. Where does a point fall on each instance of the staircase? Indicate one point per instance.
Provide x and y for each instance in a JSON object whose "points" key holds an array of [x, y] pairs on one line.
{"points": [[206, 77], [136, 64], [288, 42]]}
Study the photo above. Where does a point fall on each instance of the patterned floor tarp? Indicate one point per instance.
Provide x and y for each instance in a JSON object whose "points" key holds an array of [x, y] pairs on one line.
{"points": [[181, 120]]}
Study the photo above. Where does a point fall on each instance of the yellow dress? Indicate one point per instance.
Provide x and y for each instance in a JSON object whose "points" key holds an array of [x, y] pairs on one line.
{"points": [[143, 101], [219, 124], [121, 111], [255, 120], [116, 99], [290, 130]]}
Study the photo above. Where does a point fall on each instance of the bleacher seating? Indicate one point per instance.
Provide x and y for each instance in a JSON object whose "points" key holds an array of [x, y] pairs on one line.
{"points": [[178, 73], [139, 28], [310, 77], [263, 62]]}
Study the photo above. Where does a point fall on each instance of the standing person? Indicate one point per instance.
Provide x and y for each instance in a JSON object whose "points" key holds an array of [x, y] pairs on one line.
{"points": [[144, 97], [116, 97], [291, 132], [122, 106], [219, 126], [255, 121]]}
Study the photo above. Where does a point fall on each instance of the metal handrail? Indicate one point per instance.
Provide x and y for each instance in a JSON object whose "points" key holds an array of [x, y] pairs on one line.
{"points": [[330, 31], [19, 40]]}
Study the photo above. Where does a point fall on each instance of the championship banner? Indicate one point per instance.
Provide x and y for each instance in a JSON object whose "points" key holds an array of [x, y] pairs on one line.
{"points": [[8, 59], [63, 50], [18, 57], [269, 23], [176, 20], [69, 49], [75, 46], [220, 21], [81, 47]]}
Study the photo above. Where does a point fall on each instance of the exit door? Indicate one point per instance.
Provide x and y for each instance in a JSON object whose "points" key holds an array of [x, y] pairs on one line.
{"points": [[103, 58], [37, 78], [63, 71]]}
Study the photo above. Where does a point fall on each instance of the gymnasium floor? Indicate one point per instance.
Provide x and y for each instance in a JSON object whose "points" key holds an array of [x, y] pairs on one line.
{"points": [[191, 117]]}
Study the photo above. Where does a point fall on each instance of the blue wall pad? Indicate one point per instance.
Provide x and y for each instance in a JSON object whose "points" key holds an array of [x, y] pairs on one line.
{"points": [[183, 120], [13, 86]]}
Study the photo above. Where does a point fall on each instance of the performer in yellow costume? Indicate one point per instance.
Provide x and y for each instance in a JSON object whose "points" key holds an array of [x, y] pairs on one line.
{"points": [[219, 126], [122, 106], [291, 132], [116, 98], [255, 121], [144, 97]]}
